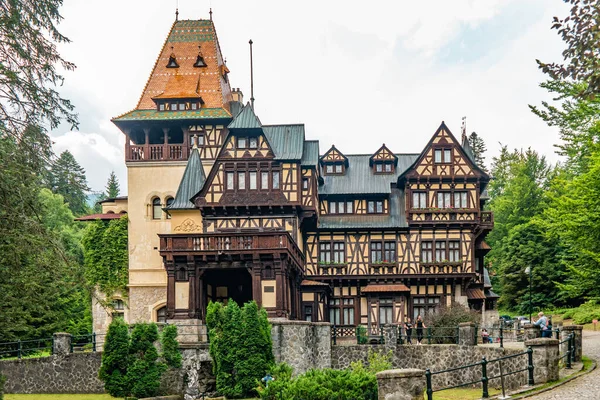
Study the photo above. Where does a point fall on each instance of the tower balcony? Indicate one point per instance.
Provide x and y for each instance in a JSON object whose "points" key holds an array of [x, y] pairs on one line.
{"points": [[156, 152]]}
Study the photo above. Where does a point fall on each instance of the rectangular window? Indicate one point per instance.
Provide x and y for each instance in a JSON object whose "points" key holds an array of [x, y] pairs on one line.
{"points": [[349, 207], [454, 251], [443, 200], [334, 311], [161, 107], [200, 140], [194, 106], [424, 305], [339, 253], [341, 207], [253, 143], [348, 311], [181, 106], [442, 156], [460, 200], [325, 252], [385, 311], [426, 252], [241, 180], [379, 207], [338, 168], [332, 207], [376, 252], [173, 106], [438, 156], [378, 167], [447, 156], [275, 179], [229, 179], [252, 179], [419, 200], [388, 167], [329, 169], [264, 180], [305, 183], [389, 252], [440, 251], [241, 143], [371, 207], [308, 313]]}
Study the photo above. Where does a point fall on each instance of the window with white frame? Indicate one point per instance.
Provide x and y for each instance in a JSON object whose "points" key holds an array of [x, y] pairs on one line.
{"points": [[419, 199]]}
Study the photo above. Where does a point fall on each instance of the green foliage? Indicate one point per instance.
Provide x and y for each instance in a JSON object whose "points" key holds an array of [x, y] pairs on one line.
{"points": [[67, 178], [584, 314], [361, 334], [144, 370], [478, 147], [240, 346], [444, 322], [106, 256], [170, 347], [112, 186], [115, 358], [377, 361], [320, 384]]}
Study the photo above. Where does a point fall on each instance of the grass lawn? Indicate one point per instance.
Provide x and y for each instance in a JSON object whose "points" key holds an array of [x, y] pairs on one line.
{"points": [[461, 394], [58, 397]]}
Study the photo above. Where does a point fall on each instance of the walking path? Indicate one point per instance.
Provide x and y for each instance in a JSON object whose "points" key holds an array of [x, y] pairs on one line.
{"points": [[585, 387]]}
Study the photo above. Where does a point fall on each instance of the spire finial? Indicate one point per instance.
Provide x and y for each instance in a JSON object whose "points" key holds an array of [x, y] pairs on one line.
{"points": [[176, 10], [463, 128], [251, 77], [195, 141], [210, 13]]}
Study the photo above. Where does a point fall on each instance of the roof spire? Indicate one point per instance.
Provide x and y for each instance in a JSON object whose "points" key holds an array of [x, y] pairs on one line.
{"points": [[176, 10], [463, 129], [195, 141], [251, 77], [210, 12]]}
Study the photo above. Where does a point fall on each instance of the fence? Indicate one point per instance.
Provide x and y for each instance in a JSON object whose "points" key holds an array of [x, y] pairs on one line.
{"points": [[362, 334], [431, 335], [484, 380], [567, 356], [26, 348], [501, 334], [374, 334]]}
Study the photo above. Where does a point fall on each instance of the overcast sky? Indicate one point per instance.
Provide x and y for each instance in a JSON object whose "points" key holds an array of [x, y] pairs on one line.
{"points": [[357, 74]]}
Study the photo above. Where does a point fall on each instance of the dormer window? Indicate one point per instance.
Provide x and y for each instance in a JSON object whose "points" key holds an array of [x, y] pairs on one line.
{"points": [[241, 143], [253, 143], [334, 169], [383, 167], [161, 107], [442, 156], [172, 62], [184, 105]]}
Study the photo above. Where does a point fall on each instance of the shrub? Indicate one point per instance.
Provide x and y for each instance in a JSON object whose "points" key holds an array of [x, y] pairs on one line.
{"points": [[170, 347], [115, 359], [444, 322], [240, 346], [361, 334], [144, 372]]}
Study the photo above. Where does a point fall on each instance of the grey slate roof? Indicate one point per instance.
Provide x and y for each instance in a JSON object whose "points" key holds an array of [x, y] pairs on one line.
{"points": [[487, 283], [287, 141], [360, 178], [246, 119], [395, 219], [468, 151], [191, 183], [310, 155]]}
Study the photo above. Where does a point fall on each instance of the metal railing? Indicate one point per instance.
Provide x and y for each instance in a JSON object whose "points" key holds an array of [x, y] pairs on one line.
{"points": [[363, 335], [26, 348], [568, 356], [432, 335], [484, 380]]}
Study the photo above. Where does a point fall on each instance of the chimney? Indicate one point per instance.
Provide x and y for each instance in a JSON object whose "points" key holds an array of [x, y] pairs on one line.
{"points": [[237, 95]]}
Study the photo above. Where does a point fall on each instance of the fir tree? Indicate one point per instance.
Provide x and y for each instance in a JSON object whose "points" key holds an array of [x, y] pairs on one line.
{"points": [[144, 369], [113, 370], [112, 186], [478, 147], [67, 178]]}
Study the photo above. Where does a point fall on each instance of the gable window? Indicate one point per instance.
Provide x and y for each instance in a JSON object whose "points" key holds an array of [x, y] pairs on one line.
{"points": [[264, 180], [156, 208], [440, 251], [426, 252], [443, 200], [460, 200], [454, 251], [229, 179], [161, 107], [329, 169], [253, 143], [379, 167], [252, 180], [241, 180], [275, 179], [419, 199], [338, 168], [388, 167], [442, 156], [241, 143]]}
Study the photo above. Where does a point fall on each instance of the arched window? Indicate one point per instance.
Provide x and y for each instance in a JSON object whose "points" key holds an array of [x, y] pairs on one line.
{"points": [[156, 208], [161, 315], [169, 202]]}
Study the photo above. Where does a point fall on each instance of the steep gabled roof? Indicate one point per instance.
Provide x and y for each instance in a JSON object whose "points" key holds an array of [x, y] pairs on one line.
{"points": [[333, 155], [246, 119], [383, 154], [286, 141], [191, 183], [310, 154]]}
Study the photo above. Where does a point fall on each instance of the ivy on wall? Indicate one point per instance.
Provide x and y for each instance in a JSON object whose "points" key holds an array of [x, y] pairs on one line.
{"points": [[106, 257]]}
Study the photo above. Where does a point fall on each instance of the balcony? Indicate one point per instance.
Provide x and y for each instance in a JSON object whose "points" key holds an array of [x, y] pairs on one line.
{"points": [[216, 244], [442, 215], [156, 152], [487, 220], [443, 267]]}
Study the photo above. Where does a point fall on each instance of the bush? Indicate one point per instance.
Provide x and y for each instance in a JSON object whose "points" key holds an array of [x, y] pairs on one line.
{"points": [[361, 334], [584, 314], [115, 359], [444, 322], [170, 347], [144, 372], [240, 346]]}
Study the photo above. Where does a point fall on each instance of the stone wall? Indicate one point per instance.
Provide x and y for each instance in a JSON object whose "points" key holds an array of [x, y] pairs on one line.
{"points": [[175, 381], [71, 373], [440, 357], [303, 345]]}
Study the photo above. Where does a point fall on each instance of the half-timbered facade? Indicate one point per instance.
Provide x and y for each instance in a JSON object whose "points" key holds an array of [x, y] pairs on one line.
{"points": [[222, 206]]}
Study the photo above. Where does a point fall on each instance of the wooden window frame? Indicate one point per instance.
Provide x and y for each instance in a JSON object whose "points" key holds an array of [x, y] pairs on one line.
{"points": [[446, 200], [427, 305], [276, 183], [243, 140], [168, 201], [264, 174], [344, 307], [375, 204], [334, 168], [444, 152], [426, 250], [332, 252], [421, 197], [156, 212], [463, 199], [305, 184], [230, 178], [442, 251], [241, 174], [250, 181], [253, 140]]}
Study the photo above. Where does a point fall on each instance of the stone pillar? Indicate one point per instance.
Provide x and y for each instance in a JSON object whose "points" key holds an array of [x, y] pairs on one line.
{"points": [[61, 344], [577, 330], [531, 331], [545, 359], [390, 337], [467, 334], [322, 345], [401, 384]]}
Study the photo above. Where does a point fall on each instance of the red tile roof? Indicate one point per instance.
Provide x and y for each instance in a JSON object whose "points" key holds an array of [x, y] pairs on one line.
{"points": [[398, 287], [307, 282], [104, 217], [475, 294]]}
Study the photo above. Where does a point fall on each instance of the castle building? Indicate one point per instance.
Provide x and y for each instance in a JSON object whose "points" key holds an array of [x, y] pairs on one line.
{"points": [[222, 206]]}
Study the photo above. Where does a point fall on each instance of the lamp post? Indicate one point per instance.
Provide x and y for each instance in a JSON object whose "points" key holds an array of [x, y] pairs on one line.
{"points": [[529, 271]]}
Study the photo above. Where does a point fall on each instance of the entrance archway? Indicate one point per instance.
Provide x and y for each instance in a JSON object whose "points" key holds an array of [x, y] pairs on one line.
{"points": [[224, 284]]}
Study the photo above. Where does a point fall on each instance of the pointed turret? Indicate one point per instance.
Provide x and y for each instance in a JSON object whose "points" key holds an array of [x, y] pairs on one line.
{"points": [[191, 183]]}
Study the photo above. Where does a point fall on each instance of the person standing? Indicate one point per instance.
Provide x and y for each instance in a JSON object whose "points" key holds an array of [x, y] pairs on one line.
{"points": [[542, 323], [420, 325], [408, 326]]}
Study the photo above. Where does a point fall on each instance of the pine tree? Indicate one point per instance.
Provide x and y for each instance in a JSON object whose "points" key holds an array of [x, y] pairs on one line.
{"points": [[67, 178], [478, 147], [144, 369], [113, 370], [112, 186]]}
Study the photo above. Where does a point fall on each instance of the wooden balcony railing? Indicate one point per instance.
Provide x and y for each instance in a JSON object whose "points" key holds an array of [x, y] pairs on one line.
{"points": [[156, 152], [442, 267], [215, 243], [487, 219], [451, 215]]}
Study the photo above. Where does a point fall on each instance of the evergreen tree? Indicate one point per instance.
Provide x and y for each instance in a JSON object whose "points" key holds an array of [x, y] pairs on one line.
{"points": [[170, 347], [115, 359], [478, 147], [112, 186], [67, 178], [144, 369]]}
